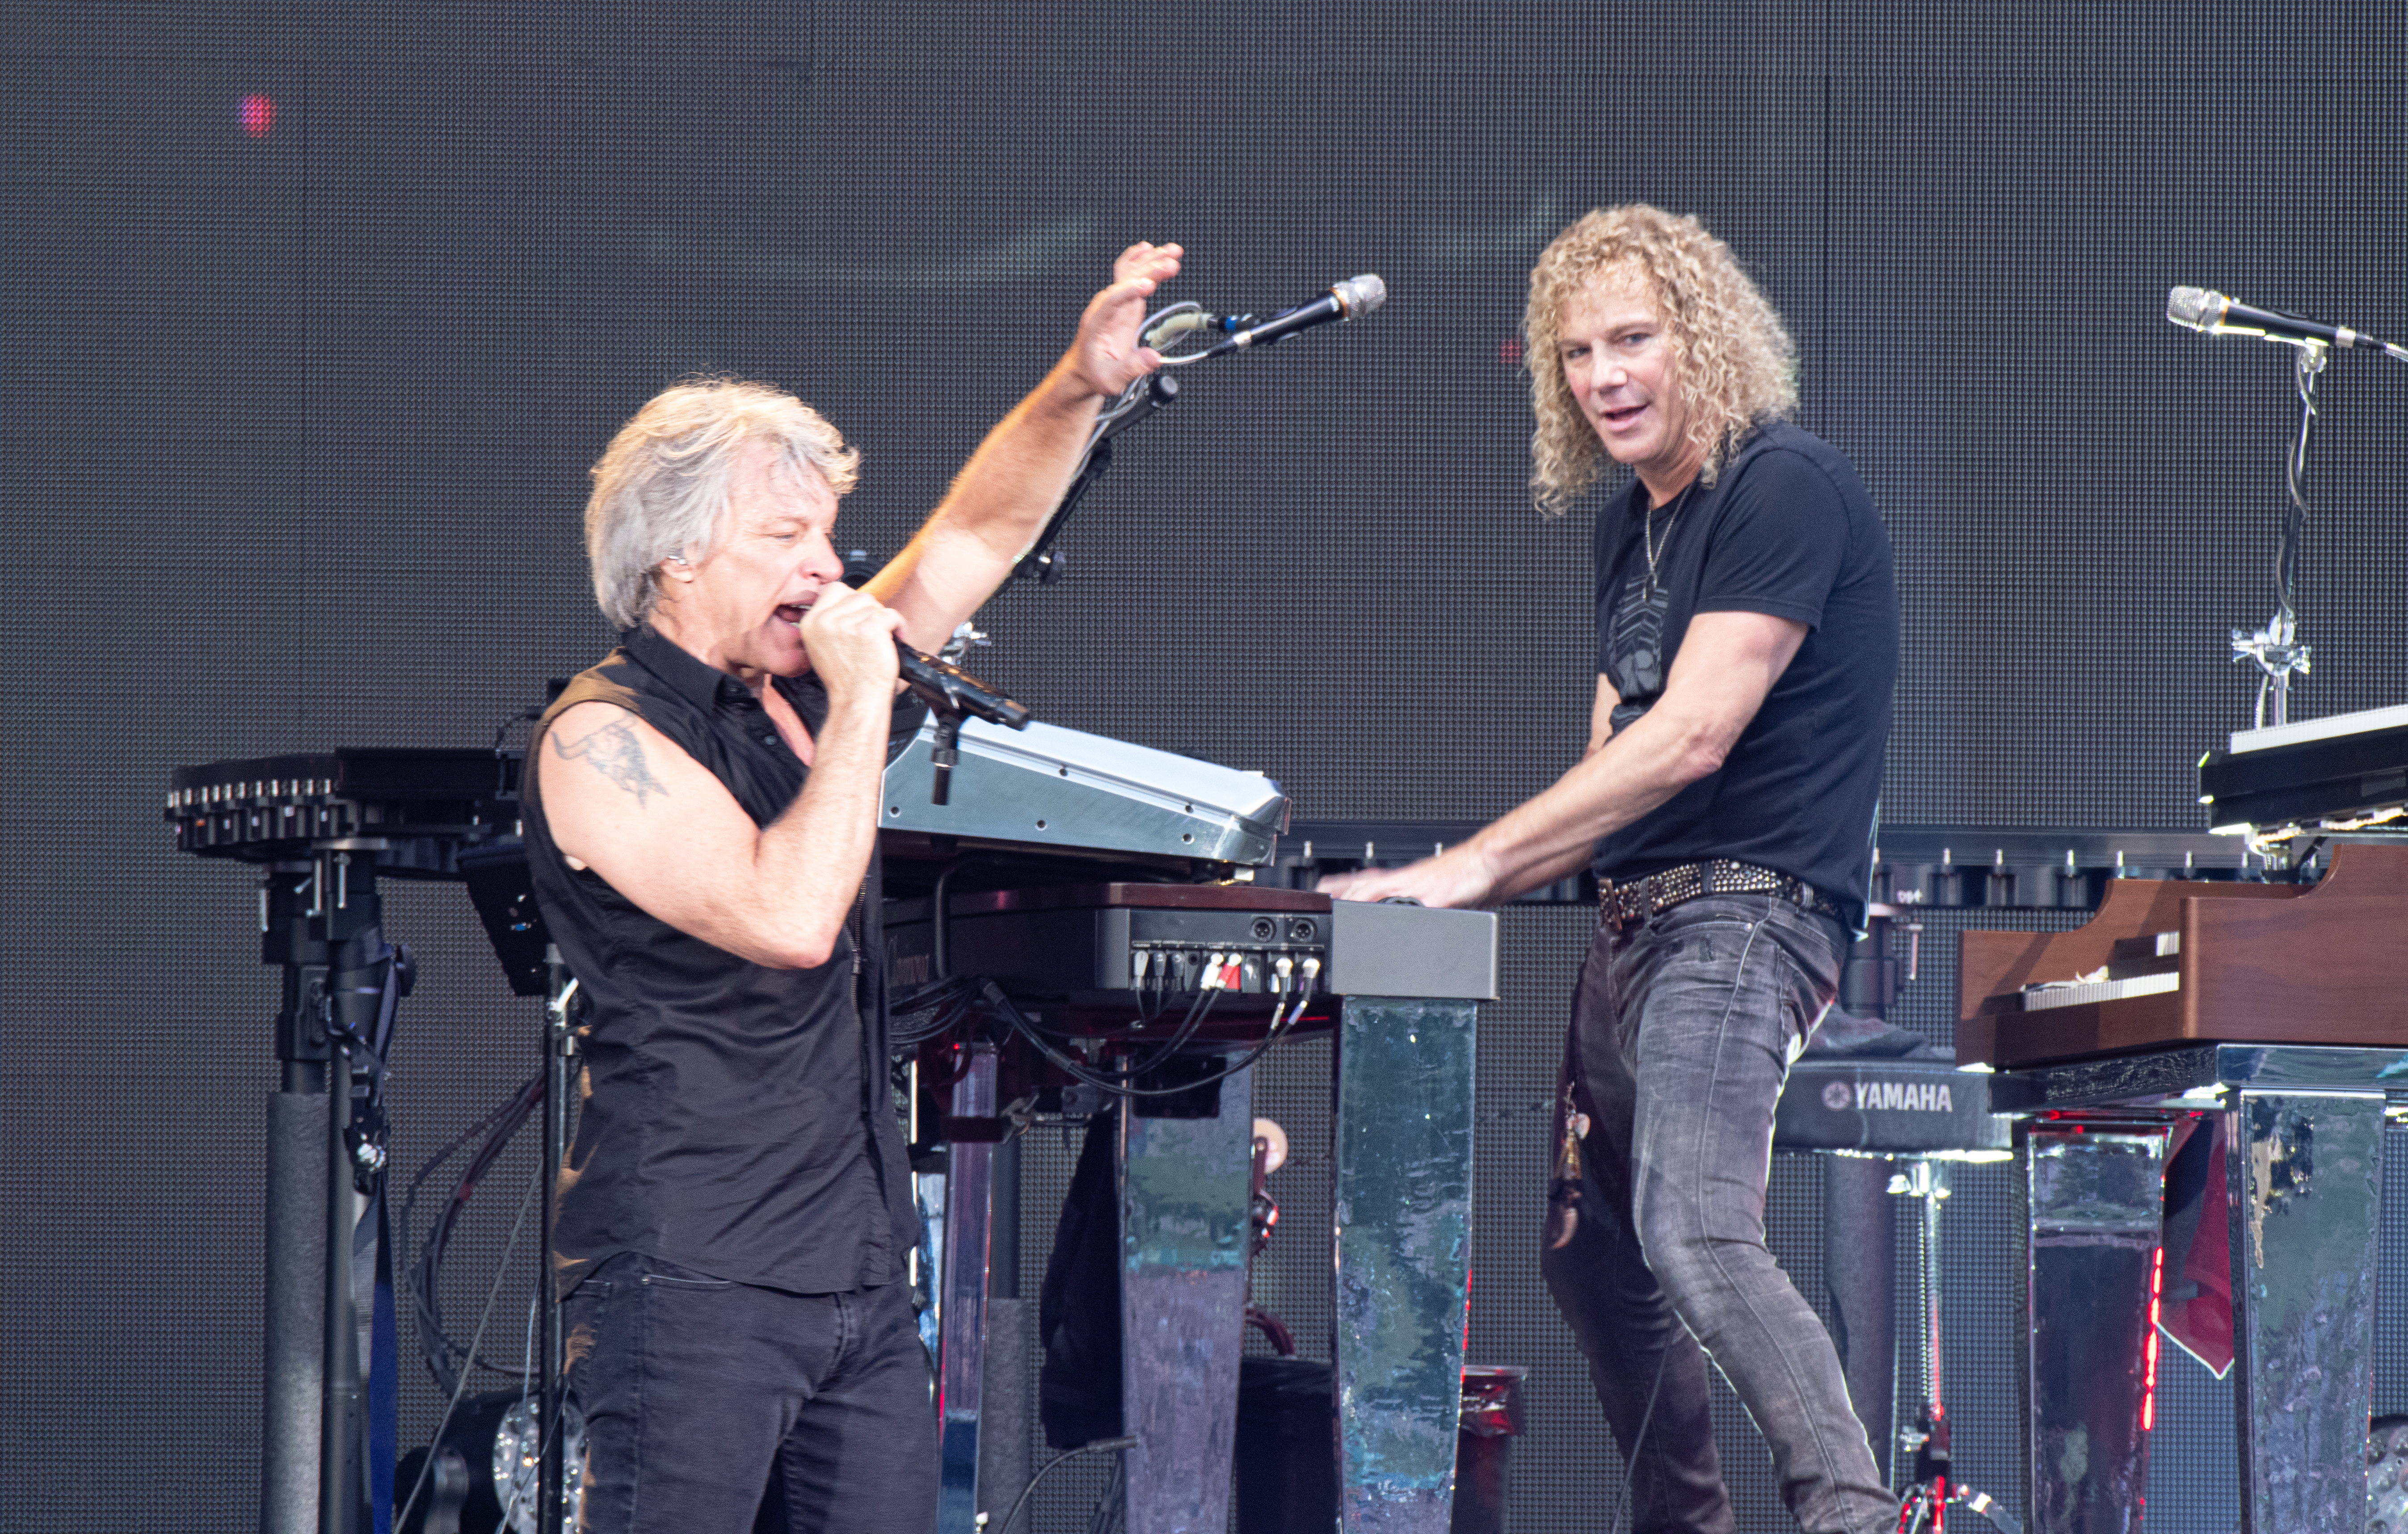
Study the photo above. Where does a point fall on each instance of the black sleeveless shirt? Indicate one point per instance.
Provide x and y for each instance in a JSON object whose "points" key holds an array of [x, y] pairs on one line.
{"points": [[736, 1117]]}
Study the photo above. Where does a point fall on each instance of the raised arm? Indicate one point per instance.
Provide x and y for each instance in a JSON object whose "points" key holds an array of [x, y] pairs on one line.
{"points": [[1000, 500], [623, 800], [1725, 665]]}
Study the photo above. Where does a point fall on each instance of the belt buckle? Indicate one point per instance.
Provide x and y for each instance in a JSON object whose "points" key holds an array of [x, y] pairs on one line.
{"points": [[1614, 906]]}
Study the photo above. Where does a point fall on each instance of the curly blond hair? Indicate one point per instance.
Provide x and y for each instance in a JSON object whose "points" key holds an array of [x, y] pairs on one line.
{"points": [[1731, 356]]}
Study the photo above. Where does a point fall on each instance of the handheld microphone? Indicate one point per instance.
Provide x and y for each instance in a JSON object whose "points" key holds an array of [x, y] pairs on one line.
{"points": [[1350, 299], [2214, 314], [942, 686], [949, 689]]}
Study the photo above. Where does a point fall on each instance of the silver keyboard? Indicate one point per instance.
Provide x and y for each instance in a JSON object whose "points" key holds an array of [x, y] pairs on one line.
{"points": [[1046, 786]]}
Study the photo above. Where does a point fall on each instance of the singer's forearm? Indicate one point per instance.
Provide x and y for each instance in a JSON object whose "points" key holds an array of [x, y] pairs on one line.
{"points": [[809, 861], [1012, 484], [1015, 479], [996, 508]]}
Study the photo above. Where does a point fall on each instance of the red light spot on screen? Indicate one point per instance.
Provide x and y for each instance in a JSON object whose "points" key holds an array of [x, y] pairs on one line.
{"points": [[258, 114], [1509, 351]]}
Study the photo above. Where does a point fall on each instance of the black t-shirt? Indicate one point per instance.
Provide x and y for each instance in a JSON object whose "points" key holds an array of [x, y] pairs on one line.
{"points": [[736, 1118], [1785, 529]]}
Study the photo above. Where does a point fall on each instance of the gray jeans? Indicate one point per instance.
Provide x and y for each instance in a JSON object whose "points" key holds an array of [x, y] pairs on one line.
{"points": [[1683, 1029]]}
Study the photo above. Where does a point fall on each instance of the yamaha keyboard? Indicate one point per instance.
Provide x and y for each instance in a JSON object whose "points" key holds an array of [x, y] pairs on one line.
{"points": [[1906, 1108]]}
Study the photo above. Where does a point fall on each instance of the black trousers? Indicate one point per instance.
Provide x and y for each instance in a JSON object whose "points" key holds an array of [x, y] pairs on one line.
{"points": [[715, 1408]]}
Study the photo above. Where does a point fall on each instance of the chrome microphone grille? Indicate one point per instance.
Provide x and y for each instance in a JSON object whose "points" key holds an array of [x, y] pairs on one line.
{"points": [[1359, 295], [2196, 308]]}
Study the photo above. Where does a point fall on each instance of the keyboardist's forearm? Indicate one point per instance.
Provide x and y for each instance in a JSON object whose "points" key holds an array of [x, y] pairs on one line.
{"points": [[1572, 860], [1552, 835]]}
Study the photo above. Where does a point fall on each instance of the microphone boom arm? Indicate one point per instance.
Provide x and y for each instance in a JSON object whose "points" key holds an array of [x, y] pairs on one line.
{"points": [[1038, 561]]}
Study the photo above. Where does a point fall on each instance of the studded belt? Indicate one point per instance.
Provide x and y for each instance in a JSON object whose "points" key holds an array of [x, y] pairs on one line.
{"points": [[1619, 903]]}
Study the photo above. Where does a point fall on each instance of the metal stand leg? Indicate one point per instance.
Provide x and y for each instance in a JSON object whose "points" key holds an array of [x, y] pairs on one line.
{"points": [[1183, 1188], [968, 1195], [553, 1468], [2305, 1170], [296, 1302], [1403, 1206], [340, 1474], [1861, 1269], [2093, 1215], [291, 1429], [1928, 1463], [1006, 1397], [318, 920], [1929, 1467]]}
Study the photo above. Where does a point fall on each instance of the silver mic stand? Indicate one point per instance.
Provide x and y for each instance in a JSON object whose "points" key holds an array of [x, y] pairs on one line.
{"points": [[2276, 647]]}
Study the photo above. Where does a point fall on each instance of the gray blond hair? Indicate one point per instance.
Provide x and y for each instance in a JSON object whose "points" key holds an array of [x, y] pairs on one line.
{"points": [[661, 487]]}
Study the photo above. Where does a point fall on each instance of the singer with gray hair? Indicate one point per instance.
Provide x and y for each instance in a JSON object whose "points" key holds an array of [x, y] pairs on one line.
{"points": [[663, 485], [1746, 643], [734, 1220]]}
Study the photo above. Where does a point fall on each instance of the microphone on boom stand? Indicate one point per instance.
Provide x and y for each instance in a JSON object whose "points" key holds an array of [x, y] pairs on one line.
{"points": [[950, 693], [2214, 314], [1349, 300]]}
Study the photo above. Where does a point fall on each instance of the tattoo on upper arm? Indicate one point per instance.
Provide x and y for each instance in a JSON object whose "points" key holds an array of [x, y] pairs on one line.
{"points": [[618, 755]]}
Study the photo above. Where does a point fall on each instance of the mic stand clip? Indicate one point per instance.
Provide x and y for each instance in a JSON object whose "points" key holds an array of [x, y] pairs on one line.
{"points": [[952, 694], [944, 755]]}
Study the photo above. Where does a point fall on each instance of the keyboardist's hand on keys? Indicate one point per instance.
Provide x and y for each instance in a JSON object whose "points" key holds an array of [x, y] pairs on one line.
{"points": [[1460, 876]]}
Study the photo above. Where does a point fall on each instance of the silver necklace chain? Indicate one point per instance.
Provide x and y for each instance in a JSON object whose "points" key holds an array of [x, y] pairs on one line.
{"points": [[1647, 531]]}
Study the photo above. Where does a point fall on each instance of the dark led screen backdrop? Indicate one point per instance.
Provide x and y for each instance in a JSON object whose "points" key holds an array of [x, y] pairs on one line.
{"points": [[314, 317]]}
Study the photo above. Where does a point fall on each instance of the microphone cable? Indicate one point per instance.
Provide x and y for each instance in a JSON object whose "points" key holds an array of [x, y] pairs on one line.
{"points": [[501, 1272], [1628, 1494], [1100, 1446], [1121, 1084]]}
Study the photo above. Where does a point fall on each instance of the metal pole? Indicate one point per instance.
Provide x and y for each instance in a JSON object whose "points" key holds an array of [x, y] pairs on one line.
{"points": [[559, 1049], [339, 1464], [350, 912], [1861, 1269], [293, 1404]]}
